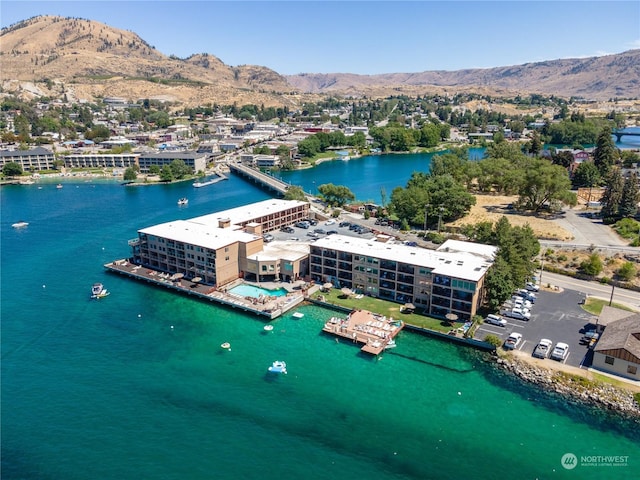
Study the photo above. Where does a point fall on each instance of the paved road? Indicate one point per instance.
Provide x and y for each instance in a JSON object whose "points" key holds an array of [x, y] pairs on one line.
{"points": [[587, 230], [595, 289]]}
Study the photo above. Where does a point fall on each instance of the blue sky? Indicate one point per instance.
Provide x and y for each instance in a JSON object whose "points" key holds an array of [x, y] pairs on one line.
{"points": [[366, 37]]}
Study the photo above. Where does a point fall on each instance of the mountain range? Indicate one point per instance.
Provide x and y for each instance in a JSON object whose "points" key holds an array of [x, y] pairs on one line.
{"points": [[85, 59]]}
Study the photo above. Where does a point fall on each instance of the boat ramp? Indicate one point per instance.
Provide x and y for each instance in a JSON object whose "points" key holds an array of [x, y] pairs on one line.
{"points": [[376, 332]]}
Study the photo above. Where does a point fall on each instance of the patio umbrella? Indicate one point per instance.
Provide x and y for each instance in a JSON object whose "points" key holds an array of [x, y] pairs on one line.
{"points": [[346, 291], [327, 286], [452, 317], [409, 306]]}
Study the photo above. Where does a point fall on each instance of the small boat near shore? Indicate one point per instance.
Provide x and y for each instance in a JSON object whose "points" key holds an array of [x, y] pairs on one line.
{"points": [[20, 224], [98, 291], [183, 201], [298, 315], [278, 367], [59, 186]]}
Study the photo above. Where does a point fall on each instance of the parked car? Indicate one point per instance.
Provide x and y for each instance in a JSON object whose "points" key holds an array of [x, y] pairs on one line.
{"points": [[527, 295], [589, 336], [354, 226], [267, 237], [303, 224], [313, 235], [560, 351], [320, 231], [332, 232], [411, 244], [532, 287], [345, 224], [518, 313], [294, 239], [543, 348], [331, 221], [493, 319], [513, 341], [288, 229], [364, 230], [312, 221]]}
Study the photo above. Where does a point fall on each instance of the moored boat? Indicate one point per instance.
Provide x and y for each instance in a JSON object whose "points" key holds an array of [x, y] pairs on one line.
{"points": [[183, 201], [59, 185], [20, 224], [278, 367], [98, 291]]}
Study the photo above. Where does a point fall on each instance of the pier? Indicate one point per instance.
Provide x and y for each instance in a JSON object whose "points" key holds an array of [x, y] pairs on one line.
{"points": [[375, 331], [270, 308], [265, 181]]}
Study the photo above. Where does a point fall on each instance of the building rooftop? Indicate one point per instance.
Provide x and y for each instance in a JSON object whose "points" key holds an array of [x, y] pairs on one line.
{"points": [[193, 233], [486, 251], [245, 213], [622, 334], [461, 264]]}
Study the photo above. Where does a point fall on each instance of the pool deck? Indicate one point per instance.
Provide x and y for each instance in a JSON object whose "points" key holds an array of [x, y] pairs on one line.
{"points": [[361, 326], [270, 307]]}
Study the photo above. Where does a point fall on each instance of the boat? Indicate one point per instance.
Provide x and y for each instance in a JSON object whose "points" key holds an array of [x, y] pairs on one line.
{"points": [[59, 185], [278, 367], [226, 346], [98, 291], [183, 201], [268, 328], [298, 315], [20, 224], [390, 344]]}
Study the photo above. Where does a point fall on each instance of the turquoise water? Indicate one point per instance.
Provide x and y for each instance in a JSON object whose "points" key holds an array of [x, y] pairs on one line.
{"points": [[256, 292], [110, 390]]}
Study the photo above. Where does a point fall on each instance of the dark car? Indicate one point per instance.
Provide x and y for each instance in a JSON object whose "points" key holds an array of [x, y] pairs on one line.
{"points": [[354, 226], [345, 224], [288, 229], [320, 231], [312, 221], [332, 232]]}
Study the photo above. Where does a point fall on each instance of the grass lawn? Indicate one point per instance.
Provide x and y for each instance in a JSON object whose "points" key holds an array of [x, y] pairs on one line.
{"points": [[594, 306], [384, 307]]}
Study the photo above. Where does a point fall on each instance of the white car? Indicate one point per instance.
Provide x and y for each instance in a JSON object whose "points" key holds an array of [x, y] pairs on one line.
{"points": [[543, 348], [521, 302], [495, 320], [330, 222], [532, 287], [513, 341], [518, 313], [560, 351]]}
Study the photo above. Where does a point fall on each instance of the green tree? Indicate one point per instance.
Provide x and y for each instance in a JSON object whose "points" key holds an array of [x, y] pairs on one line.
{"points": [[544, 184], [166, 174], [179, 169], [612, 197], [130, 175], [586, 175], [336, 195], [627, 271], [295, 192], [154, 170], [12, 169], [592, 266], [98, 133], [605, 154], [630, 197], [498, 283]]}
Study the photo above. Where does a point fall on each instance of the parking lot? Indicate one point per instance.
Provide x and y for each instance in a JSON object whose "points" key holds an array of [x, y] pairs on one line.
{"points": [[318, 231], [556, 316]]}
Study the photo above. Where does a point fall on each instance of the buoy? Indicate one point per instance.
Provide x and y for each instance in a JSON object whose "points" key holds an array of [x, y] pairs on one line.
{"points": [[171, 327], [44, 286], [459, 393], [139, 315]]}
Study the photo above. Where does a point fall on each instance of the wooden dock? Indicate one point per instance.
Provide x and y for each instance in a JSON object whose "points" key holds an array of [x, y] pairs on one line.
{"points": [[271, 308], [375, 331]]}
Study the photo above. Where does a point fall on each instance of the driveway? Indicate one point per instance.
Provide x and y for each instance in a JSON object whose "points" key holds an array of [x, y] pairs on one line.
{"points": [[587, 230], [556, 316]]}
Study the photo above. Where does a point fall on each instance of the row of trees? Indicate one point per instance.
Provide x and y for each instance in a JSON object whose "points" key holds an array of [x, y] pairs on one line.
{"points": [[320, 142], [397, 138]]}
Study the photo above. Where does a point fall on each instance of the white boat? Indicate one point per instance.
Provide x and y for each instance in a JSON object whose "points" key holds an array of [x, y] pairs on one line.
{"points": [[59, 185], [183, 201], [20, 224], [27, 182], [278, 367], [98, 291], [268, 328], [390, 344], [298, 315]]}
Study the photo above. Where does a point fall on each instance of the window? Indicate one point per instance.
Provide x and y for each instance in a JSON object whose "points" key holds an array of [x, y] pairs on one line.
{"points": [[609, 360], [632, 369]]}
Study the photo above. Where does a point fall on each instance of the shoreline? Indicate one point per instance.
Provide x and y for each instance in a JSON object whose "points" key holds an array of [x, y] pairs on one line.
{"points": [[573, 384]]}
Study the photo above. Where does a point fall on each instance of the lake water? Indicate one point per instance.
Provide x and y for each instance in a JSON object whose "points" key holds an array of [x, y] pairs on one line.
{"points": [[135, 385]]}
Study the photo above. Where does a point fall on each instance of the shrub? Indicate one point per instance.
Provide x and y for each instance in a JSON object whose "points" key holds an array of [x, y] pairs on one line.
{"points": [[636, 397], [627, 271], [494, 340], [592, 266], [562, 258]]}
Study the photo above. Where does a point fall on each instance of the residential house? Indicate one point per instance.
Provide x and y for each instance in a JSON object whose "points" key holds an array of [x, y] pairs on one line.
{"points": [[618, 349]]}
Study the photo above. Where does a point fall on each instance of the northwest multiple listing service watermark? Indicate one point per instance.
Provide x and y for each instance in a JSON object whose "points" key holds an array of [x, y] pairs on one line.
{"points": [[570, 461]]}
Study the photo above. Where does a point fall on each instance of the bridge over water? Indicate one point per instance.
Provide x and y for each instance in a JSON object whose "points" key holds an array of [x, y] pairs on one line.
{"points": [[265, 181], [622, 133]]}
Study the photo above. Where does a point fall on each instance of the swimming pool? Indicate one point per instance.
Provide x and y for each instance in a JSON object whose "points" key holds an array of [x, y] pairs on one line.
{"points": [[255, 292]]}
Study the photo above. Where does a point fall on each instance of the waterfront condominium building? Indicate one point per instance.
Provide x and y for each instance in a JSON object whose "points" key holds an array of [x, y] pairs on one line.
{"points": [[33, 160], [196, 161], [97, 160], [443, 281], [221, 247]]}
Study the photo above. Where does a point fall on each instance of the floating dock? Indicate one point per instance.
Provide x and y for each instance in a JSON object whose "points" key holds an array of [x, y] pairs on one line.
{"points": [[361, 326]]}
